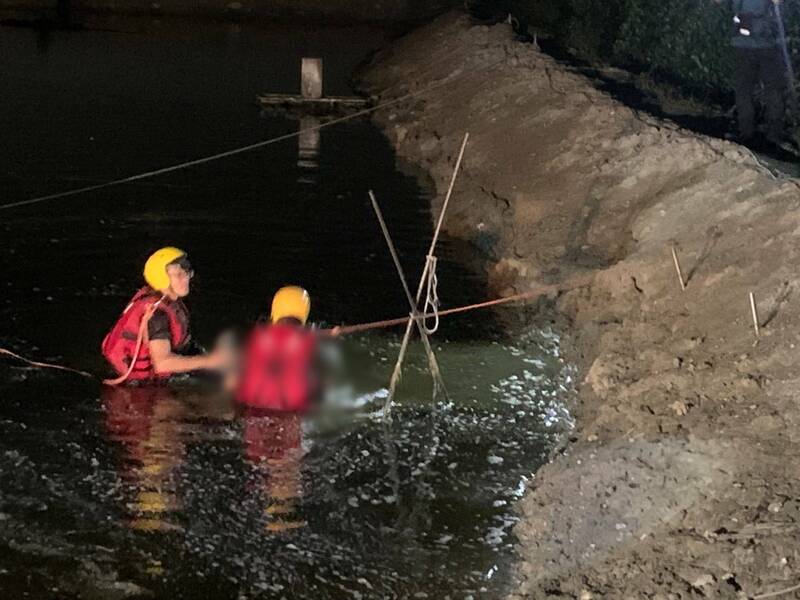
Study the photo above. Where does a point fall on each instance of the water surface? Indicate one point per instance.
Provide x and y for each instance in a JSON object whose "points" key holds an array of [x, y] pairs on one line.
{"points": [[171, 491]]}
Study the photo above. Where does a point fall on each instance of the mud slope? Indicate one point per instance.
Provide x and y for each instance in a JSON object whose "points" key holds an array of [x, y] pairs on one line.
{"points": [[683, 477]]}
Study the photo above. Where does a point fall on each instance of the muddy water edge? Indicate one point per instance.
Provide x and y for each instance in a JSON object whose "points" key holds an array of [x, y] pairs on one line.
{"points": [[681, 478]]}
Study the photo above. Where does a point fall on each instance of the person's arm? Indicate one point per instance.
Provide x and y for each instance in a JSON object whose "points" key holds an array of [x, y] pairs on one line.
{"points": [[333, 332], [166, 361]]}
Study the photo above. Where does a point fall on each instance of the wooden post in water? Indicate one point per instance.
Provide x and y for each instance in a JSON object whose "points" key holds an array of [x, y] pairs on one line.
{"points": [[311, 78]]}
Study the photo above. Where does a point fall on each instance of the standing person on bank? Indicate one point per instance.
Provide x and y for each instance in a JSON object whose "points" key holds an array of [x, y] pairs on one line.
{"points": [[756, 39]]}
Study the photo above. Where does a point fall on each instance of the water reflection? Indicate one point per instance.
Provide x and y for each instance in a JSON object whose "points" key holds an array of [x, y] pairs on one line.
{"points": [[153, 426], [273, 445], [146, 422], [308, 149]]}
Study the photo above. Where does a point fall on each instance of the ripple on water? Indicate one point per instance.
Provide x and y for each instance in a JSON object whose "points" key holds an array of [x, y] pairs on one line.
{"points": [[187, 492]]}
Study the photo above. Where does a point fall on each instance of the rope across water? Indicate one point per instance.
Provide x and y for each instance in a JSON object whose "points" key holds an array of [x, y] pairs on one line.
{"points": [[250, 147], [376, 325]]}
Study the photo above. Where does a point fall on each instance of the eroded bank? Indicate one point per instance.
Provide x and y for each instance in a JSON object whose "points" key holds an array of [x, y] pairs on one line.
{"points": [[681, 478]]}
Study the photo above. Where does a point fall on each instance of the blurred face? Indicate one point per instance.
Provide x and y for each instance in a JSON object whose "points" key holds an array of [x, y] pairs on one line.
{"points": [[179, 279]]}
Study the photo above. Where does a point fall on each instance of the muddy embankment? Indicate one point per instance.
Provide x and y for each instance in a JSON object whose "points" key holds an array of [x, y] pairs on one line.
{"points": [[682, 479], [372, 11]]}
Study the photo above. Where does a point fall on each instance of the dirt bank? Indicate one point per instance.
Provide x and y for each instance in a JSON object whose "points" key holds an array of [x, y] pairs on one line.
{"points": [[682, 479]]}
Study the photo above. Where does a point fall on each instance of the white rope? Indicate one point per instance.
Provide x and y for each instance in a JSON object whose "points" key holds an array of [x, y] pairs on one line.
{"points": [[401, 356], [432, 297], [414, 318], [247, 148]]}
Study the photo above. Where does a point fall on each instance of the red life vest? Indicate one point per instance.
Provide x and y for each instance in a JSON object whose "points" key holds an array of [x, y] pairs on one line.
{"points": [[279, 370], [120, 344]]}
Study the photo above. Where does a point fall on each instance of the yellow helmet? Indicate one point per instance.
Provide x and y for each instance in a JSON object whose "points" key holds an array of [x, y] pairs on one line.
{"points": [[155, 269], [291, 301]]}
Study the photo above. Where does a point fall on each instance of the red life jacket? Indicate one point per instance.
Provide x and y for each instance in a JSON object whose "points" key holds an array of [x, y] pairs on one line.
{"points": [[279, 370], [120, 344]]}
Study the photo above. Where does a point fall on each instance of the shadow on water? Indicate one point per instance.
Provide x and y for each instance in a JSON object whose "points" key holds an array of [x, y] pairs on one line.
{"points": [[170, 490]]}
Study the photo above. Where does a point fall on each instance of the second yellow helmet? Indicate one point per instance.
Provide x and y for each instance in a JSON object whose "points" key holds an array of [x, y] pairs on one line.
{"points": [[155, 269], [292, 302]]}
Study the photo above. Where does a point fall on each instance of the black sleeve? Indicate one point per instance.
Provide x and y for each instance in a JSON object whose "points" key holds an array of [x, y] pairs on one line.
{"points": [[158, 327]]}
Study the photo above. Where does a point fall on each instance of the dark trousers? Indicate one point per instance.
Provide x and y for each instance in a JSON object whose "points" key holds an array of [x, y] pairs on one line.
{"points": [[754, 66]]}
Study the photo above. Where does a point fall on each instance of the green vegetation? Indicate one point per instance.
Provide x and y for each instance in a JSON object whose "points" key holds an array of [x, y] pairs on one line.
{"points": [[685, 42]]}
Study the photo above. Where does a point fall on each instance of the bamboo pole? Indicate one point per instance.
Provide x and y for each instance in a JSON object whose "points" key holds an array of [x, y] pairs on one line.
{"points": [[404, 346], [415, 316]]}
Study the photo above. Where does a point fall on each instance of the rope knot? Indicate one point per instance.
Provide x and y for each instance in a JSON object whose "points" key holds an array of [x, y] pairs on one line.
{"points": [[431, 296]]}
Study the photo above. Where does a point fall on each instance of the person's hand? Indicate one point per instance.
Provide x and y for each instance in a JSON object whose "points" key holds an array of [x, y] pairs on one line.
{"points": [[336, 331], [215, 360]]}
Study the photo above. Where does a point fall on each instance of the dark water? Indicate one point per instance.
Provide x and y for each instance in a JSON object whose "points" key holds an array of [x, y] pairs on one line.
{"points": [[114, 493]]}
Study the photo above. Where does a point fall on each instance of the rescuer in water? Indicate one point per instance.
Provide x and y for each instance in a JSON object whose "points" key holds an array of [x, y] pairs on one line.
{"points": [[278, 379], [146, 341], [281, 367]]}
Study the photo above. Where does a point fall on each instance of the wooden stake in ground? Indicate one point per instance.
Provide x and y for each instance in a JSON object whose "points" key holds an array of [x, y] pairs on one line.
{"points": [[399, 365], [782, 592], [678, 268], [754, 310]]}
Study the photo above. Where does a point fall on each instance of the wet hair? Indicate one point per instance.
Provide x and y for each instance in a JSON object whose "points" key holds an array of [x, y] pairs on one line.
{"points": [[183, 263], [290, 321]]}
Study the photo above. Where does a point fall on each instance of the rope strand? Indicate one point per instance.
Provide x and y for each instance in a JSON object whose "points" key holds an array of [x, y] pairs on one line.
{"points": [[44, 365], [351, 329], [529, 295], [432, 297], [248, 148], [141, 339]]}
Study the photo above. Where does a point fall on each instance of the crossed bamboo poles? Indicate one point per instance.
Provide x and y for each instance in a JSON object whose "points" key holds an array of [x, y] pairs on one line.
{"points": [[415, 317]]}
